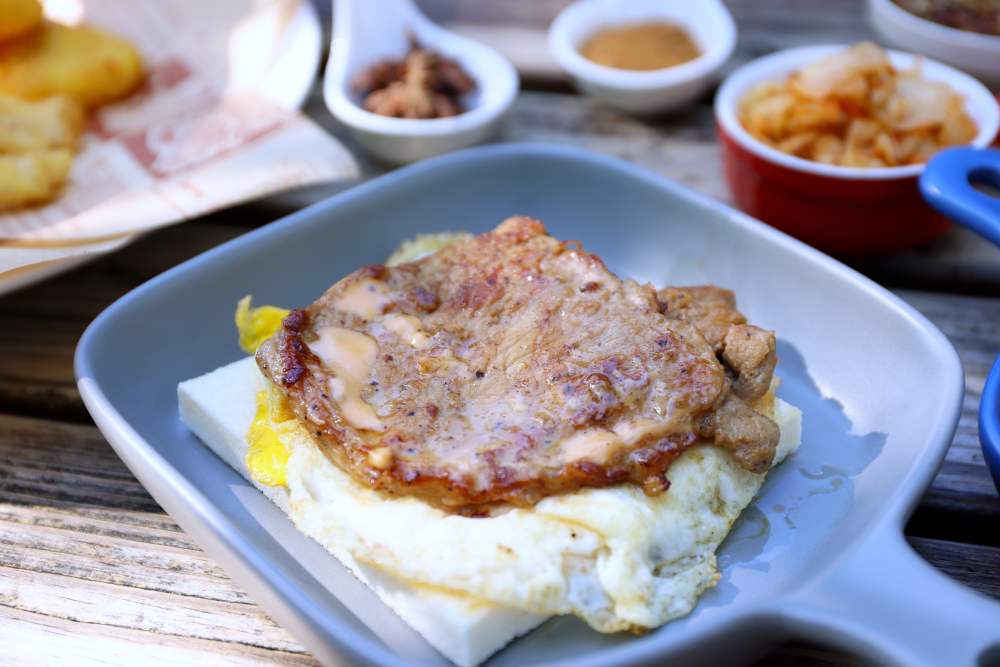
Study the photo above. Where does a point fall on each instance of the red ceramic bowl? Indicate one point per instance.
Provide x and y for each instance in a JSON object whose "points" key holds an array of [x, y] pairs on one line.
{"points": [[837, 209]]}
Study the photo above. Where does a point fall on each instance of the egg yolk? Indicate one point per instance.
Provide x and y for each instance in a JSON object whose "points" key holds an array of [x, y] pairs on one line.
{"points": [[255, 325], [267, 457]]}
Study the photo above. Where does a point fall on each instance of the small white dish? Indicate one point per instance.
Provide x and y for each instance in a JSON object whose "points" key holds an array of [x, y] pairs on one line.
{"points": [[707, 21], [975, 53], [365, 33]]}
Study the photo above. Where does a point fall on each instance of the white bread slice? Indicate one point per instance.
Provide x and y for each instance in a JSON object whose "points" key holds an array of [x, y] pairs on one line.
{"points": [[219, 406]]}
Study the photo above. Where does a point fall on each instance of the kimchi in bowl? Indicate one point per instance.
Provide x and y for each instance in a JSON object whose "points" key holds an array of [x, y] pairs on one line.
{"points": [[840, 209]]}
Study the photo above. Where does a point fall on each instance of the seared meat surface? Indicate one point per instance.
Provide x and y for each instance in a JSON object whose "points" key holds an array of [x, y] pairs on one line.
{"points": [[747, 351], [508, 367], [711, 309], [748, 435], [750, 352]]}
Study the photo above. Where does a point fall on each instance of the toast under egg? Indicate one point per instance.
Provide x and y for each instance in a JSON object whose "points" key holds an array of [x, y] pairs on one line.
{"points": [[680, 529]]}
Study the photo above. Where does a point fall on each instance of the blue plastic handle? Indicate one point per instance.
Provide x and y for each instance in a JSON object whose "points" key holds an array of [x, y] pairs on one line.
{"points": [[947, 186], [989, 423]]}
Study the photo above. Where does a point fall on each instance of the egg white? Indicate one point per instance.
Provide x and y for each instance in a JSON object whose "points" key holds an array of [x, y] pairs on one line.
{"points": [[615, 557]]}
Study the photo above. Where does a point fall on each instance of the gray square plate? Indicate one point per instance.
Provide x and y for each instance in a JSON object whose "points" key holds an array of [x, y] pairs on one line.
{"points": [[820, 553]]}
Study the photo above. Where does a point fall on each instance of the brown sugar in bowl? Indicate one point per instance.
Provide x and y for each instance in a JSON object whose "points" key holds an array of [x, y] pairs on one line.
{"points": [[643, 46]]}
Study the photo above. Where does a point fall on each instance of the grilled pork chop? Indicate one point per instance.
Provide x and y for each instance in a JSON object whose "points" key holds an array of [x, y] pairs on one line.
{"points": [[747, 351], [504, 368]]}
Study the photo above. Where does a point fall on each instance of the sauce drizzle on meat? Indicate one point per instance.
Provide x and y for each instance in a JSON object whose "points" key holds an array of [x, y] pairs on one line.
{"points": [[512, 366]]}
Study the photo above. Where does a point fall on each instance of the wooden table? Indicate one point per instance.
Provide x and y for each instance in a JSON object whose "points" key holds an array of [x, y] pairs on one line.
{"points": [[93, 572]]}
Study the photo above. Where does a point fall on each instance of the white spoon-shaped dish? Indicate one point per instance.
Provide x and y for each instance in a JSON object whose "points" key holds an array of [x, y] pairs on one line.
{"points": [[365, 33]]}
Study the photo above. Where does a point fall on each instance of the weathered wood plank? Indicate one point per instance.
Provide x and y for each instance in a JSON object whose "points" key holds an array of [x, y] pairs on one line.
{"points": [[960, 261], [41, 325], [25, 638], [796, 654], [112, 560], [790, 17], [102, 523], [963, 501], [975, 566], [31, 638], [76, 553], [86, 601], [956, 517], [83, 471]]}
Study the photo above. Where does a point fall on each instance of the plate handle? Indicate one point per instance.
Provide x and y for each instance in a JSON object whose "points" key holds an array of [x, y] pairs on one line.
{"points": [[947, 186], [886, 603]]}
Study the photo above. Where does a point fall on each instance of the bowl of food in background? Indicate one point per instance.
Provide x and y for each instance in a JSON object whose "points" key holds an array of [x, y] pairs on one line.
{"points": [[962, 33], [52, 77], [643, 56], [407, 88], [826, 143]]}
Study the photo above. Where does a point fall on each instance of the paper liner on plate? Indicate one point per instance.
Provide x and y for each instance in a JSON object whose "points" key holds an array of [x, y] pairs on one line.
{"points": [[15, 257], [215, 124]]}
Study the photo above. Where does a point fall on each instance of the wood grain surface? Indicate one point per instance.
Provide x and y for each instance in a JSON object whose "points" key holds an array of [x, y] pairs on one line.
{"points": [[92, 572]]}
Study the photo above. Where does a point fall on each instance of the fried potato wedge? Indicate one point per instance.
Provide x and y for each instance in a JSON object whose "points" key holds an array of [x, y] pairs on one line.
{"points": [[18, 17], [86, 63], [32, 178], [55, 122]]}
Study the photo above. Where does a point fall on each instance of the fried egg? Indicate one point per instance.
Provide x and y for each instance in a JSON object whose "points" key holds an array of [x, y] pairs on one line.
{"points": [[615, 557]]}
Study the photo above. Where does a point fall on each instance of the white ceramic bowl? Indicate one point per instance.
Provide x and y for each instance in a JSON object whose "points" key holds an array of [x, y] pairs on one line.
{"points": [[975, 53], [366, 32], [707, 21]]}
